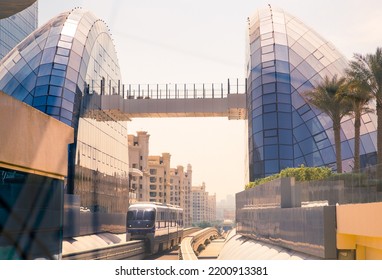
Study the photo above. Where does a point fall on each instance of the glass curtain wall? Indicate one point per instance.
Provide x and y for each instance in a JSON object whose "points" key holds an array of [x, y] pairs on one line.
{"points": [[285, 59]]}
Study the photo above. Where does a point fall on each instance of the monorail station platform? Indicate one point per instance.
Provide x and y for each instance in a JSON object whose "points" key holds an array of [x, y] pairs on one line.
{"points": [[238, 247]]}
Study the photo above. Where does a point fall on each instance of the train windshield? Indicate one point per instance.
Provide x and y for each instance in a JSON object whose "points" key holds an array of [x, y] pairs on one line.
{"points": [[141, 214]]}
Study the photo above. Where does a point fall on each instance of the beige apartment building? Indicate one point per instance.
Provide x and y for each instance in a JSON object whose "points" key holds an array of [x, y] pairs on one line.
{"points": [[159, 182], [203, 205], [138, 167], [180, 190], [152, 178]]}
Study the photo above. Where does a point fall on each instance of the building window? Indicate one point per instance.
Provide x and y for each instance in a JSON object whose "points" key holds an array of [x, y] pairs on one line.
{"points": [[153, 179], [153, 171]]}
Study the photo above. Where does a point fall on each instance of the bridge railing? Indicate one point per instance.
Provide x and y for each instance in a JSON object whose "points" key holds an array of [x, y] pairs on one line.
{"points": [[192, 244], [167, 91]]}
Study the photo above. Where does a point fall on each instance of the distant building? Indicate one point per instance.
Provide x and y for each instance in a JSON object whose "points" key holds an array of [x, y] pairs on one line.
{"points": [[203, 205], [226, 208], [180, 190], [211, 208], [138, 166], [159, 182], [17, 27], [199, 198]]}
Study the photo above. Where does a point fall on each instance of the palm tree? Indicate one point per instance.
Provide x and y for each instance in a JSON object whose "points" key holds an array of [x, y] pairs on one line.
{"points": [[359, 96], [368, 69], [328, 97]]}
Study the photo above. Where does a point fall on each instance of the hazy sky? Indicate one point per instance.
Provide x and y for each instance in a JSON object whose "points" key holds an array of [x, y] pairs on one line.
{"points": [[195, 41]]}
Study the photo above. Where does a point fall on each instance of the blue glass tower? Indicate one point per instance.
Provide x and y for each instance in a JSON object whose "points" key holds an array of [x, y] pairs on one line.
{"points": [[285, 59]]}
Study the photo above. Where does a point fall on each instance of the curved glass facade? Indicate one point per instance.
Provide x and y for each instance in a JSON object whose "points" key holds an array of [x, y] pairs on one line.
{"points": [[51, 70], [285, 59], [17, 26]]}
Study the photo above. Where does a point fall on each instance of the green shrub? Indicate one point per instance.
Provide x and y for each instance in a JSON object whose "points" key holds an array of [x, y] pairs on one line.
{"points": [[301, 173], [304, 173]]}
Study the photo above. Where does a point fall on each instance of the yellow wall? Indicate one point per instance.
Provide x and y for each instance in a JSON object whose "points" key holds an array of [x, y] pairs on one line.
{"points": [[32, 141], [359, 228]]}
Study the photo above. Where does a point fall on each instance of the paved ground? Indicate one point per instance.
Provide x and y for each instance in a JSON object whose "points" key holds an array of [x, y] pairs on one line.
{"points": [[167, 255]]}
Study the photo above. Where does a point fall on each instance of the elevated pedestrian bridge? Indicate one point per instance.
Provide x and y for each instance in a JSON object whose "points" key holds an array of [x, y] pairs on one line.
{"points": [[125, 102]]}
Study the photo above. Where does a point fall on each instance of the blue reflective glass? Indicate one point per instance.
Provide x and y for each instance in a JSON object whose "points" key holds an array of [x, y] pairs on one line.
{"points": [[323, 144], [286, 152], [271, 166], [319, 137], [314, 126], [66, 114], [30, 82], [269, 88], [66, 121], [257, 124], [257, 112], [283, 88], [258, 139], [367, 143], [269, 108], [328, 155], [285, 164], [59, 66], [57, 81], [38, 101], [41, 90], [20, 93], [282, 107], [256, 92], [282, 67], [285, 136], [302, 110], [45, 69], [270, 141], [299, 161], [281, 52], [307, 146], [60, 73], [269, 78], [68, 95], [270, 133], [308, 115], [43, 80], [270, 120], [285, 120], [269, 98], [55, 91], [23, 73], [283, 98], [68, 106], [11, 86], [54, 101], [282, 77], [52, 110], [297, 151], [271, 152], [48, 55]]}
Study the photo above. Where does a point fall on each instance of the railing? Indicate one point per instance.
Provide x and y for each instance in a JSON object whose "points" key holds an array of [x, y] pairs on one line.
{"points": [[166, 91], [193, 243], [134, 250]]}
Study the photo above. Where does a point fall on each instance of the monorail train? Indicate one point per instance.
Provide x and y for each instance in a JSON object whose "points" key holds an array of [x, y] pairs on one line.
{"points": [[160, 225]]}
